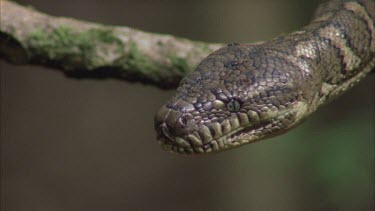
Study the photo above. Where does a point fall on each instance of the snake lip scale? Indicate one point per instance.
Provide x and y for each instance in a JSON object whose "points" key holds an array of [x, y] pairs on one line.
{"points": [[244, 93], [224, 142], [240, 133]]}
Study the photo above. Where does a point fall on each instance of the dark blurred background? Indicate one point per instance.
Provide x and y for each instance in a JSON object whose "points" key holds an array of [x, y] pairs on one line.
{"points": [[89, 144]]}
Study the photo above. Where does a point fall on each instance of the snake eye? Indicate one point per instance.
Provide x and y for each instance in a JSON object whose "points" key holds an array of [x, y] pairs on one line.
{"points": [[233, 106]]}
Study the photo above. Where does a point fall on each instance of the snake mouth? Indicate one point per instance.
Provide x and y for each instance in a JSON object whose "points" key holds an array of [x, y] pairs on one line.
{"points": [[211, 138], [185, 146]]}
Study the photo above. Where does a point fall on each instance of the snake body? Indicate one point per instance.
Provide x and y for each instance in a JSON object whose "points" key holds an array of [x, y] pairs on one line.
{"points": [[243, 93]]}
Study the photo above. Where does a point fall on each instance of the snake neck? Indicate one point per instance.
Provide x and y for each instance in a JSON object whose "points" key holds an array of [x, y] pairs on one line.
{"points": [[334, 52]]}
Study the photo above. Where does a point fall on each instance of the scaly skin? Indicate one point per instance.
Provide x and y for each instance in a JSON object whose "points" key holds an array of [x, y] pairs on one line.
{"points": [[243, 93]]}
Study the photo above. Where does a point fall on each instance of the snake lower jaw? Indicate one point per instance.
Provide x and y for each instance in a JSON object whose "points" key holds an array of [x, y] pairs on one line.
{"points": [[217, 145], [235, 138]]}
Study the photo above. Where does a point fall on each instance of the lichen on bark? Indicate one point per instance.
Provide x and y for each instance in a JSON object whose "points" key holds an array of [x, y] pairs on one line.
{"points": [[75, 50], [83, 49]]}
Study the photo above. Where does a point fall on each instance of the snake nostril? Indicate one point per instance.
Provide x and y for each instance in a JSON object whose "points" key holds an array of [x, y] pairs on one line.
{"points": [[185, 119], [164, 132]]}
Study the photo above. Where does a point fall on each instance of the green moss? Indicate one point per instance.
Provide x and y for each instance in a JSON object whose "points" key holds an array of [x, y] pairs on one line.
{"points": [[95, 48], [180, 64], [72, 48], [136, 61], [139, 65]]}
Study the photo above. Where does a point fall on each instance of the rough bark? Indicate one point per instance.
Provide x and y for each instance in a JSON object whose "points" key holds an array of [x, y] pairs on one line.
{"points": [[85, 50]]}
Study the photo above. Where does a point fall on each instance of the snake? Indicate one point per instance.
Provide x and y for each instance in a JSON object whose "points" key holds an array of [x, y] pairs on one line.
{"points": [[243, 93]]}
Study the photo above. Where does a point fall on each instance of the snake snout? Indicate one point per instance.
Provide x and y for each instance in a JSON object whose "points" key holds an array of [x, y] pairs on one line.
{"points": [[172, 123]]}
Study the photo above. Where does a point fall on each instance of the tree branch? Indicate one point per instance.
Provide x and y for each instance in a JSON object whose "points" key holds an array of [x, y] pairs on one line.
{"points": [[85, 50]]}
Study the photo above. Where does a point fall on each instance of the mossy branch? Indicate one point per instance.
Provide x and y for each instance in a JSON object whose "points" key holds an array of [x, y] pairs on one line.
{"points": [[85, 50]]}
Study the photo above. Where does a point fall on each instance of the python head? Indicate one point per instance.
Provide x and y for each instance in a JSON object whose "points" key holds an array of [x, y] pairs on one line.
{"points": [[237, 95]]}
